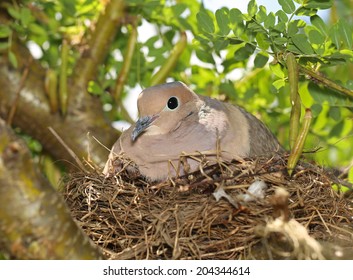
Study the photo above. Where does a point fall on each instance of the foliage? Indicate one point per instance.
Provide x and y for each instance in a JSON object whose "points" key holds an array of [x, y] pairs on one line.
{"points": [[230, 54], [296, 29]]}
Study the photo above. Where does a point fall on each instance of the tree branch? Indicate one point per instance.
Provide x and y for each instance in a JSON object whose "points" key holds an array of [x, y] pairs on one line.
{"points": [[98, 45], [123, 74], [326, 82], [34, 220], [168, 66], [63, 92], [293, 77], [33, 113]]}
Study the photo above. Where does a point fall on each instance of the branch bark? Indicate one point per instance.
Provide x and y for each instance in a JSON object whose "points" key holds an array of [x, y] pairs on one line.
{"points": [[99, 42], [33, 114], [34, 220], [128, 56]]}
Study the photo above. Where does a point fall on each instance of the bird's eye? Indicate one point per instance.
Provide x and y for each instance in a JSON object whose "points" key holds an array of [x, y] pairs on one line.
{"points": [[173, 103]]}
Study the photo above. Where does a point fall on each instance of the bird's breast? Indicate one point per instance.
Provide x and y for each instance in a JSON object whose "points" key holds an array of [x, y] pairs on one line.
{"points": [[214, 121]]}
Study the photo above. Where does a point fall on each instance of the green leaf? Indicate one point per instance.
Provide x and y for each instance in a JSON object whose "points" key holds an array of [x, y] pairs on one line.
{"points": [[318, 4], [5, 31], [335, 36], [261, 15], [336, 131], [278, 84], [238, 29], [255, 27], [178, 9], [270, 21], [292, 28], [13, 59], [301, 42], [282, 16], [277, 70], [335, 113], [262, 41], [300, 23], [316, 37], [261, 59], [222, 18], [236, 15], [252, 8], [204, 56], [295, 25], [184, 23], [316, 109], [319, 24], [220, 45], [347, 53], [281, 27], [243, 53], [26, 17], [14, 12], [234, 41], [322, 95], [280, 41], [228, 88], [345, 31], [302, 11], [38, 29], [94, 88], [287, 6], [205, 22]]}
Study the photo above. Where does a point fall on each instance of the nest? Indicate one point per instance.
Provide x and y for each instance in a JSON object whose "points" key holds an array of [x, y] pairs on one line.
{"points": [[210, 214]]}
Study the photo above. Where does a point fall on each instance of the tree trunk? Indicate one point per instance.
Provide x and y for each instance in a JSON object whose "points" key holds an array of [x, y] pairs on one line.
{"points": [[34, 220]]}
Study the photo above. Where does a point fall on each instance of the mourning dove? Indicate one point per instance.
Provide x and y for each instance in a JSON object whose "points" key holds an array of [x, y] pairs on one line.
{"points": [[175, 120]]}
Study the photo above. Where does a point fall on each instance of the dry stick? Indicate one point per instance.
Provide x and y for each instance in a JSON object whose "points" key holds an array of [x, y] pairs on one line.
{"points": [[326, 82], [17, 96], [69, 150], [299, 143], [346, 169], [168, 66], [293, 76]]}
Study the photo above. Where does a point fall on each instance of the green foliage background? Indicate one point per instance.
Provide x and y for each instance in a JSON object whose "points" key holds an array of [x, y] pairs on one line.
{"points": [[252, 44]]}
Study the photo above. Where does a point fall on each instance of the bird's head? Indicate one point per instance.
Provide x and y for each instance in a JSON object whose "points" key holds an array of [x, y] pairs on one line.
{"points": [[163, 107]]}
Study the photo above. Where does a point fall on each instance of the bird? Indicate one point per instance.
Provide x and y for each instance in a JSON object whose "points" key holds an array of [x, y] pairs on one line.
{"points": [[175, 121]]}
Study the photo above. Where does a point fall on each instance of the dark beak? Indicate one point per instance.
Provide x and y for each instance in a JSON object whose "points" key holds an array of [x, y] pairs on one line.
{"points": [[141, 125]]}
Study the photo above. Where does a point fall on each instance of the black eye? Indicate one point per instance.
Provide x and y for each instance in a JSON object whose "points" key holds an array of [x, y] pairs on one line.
{"points": [[173, 103]]}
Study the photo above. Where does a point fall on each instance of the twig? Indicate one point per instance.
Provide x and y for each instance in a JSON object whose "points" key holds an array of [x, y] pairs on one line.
{"points": [[299, 142], [17, 95], [293, 76], [326, 82], [69, 150], [63, 92], [130, 49], [168, 66]]}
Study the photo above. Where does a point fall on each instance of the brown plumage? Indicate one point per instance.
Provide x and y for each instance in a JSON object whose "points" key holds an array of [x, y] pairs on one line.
{"points": [[174, 119]]}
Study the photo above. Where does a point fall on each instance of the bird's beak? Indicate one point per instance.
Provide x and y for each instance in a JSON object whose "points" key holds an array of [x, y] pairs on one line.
{"points": [[141, 125]]}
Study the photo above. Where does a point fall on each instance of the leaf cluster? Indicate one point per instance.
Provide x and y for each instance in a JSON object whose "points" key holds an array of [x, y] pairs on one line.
{"points": [[260, 41]]}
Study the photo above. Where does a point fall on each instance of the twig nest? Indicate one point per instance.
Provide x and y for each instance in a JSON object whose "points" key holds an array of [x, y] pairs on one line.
{"points": [[131, 218]]}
